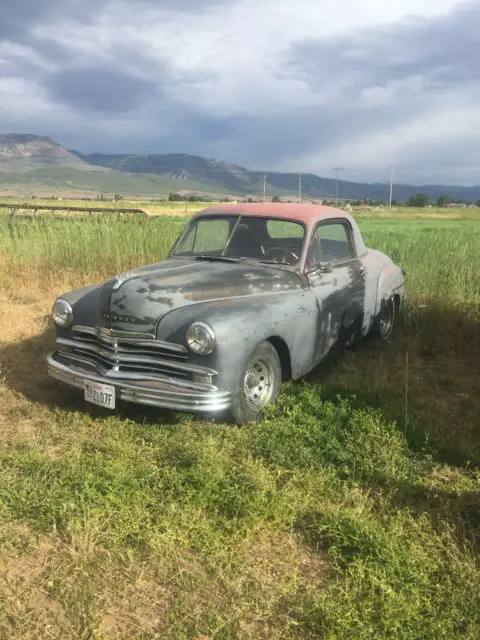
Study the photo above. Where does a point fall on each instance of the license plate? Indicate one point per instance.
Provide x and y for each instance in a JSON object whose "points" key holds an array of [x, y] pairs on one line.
{"points": [[101, 394]]}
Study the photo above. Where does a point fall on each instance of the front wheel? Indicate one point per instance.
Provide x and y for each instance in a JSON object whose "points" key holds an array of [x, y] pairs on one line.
{"points": [[385, 320], [258, 384]]}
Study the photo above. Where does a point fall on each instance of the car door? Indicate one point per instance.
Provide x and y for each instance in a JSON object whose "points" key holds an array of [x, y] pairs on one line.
{"points": [[337, 279]]}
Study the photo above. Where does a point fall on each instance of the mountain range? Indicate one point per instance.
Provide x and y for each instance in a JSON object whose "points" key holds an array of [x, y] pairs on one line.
{"points": [[29, 162]]}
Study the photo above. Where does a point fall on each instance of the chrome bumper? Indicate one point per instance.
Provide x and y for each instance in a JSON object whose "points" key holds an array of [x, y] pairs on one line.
{"points": [[163, 391]]}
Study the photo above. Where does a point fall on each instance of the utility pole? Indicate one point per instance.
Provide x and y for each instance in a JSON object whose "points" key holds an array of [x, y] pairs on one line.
{"points": [[391, 188], [299, 186], [264, 186], [337, 174]]}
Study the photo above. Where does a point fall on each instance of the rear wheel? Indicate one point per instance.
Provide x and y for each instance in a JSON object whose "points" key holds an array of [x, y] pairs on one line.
{"points": [[258, 384], [384, 323]]}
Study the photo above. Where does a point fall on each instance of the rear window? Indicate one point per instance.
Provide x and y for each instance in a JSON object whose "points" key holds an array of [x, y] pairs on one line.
{"points": [[284, 229]]}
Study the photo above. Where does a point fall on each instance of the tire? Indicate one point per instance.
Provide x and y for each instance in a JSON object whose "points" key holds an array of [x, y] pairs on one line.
{"points": [[385, 321], [251, 394]]}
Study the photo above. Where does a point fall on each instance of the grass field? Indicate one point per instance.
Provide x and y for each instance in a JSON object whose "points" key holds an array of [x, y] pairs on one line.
{"points": [[353, 511]]}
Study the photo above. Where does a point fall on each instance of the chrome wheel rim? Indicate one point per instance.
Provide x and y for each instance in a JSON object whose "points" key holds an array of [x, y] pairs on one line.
{"points": [[258, 384], [386, 321]]}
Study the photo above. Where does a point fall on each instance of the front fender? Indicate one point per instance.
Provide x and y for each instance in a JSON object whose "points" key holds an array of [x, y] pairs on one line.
{"points": [[84, 303], [241, 325]]}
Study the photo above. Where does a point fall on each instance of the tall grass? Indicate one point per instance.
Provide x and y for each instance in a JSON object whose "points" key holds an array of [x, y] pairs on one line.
{"points": [[99, 244], [441, 258]]}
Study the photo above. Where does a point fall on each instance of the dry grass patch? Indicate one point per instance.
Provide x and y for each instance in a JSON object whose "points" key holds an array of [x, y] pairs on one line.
{"points": [[139, 605]]}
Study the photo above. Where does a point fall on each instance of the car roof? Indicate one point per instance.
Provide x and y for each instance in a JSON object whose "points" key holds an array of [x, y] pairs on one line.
{"points": [[306, 213]]}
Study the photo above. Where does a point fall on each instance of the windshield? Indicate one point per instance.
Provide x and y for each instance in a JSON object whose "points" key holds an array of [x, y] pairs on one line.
{"points": [[242, 237]]}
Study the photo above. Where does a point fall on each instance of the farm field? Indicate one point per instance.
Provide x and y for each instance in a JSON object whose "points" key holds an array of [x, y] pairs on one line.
{"points": [[165, 207], [151, 207], [352, 512]]}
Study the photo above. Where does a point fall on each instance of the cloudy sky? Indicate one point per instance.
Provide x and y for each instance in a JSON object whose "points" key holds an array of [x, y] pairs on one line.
{"points": [[302, 85]]}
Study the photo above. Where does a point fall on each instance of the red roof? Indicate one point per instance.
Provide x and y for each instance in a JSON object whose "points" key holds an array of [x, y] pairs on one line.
{"points": [[306, 213]]}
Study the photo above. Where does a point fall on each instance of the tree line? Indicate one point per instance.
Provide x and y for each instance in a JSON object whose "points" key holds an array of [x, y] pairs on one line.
{"points": [[422, 200]]}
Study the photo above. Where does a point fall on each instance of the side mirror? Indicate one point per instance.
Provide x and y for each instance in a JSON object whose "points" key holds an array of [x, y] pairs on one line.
{"points": [[326, 267], [321, 267]]}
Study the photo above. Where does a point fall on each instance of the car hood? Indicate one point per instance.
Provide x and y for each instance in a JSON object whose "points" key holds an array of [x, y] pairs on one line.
{"points": [[138, 299]]}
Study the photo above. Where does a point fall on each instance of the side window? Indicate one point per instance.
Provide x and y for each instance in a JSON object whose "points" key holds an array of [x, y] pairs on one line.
{"points": [[331, 244]]}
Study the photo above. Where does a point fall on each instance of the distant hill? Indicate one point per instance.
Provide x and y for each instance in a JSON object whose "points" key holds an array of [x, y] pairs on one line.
{"points": [[180, 167], [29, 161], [24, 152], [222, 177]]}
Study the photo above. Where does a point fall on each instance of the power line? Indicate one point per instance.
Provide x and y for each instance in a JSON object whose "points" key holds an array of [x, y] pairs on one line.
{"points": [[391, 188]]}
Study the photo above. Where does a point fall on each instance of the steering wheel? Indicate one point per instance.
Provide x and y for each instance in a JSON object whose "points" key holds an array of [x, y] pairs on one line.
{"points": [[284, 255]]}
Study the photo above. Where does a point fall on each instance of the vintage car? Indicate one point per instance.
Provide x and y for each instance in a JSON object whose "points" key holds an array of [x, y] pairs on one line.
{"points": [[249, 295]]}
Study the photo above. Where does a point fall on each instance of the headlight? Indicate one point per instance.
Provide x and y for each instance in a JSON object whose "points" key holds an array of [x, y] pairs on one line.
{"points": [[62, 313], [201, 338]]}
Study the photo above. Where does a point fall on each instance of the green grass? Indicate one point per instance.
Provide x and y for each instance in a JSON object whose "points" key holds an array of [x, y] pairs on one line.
{"points": [[352, 511]]}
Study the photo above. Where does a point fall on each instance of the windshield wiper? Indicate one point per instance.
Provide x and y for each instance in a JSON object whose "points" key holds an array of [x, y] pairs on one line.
{"points": [[279, 264], [220, 258]]}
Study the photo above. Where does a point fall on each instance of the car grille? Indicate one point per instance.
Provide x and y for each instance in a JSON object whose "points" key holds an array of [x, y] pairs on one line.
{"points": [[129, 352]]}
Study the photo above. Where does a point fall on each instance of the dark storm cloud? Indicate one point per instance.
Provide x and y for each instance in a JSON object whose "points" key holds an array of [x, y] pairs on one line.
{"points": [[196, 6], [444, 50], [357, 86], [100, 89], [263, 141], [17, 17]]}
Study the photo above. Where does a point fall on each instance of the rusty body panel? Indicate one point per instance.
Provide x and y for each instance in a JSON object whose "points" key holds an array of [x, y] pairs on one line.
{"points": [[303, 311]]}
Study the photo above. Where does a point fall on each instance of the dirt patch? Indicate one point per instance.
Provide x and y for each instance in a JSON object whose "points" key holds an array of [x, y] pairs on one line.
{"points": [[24, 581], [23, 570], [277, 558], [142, 607]]}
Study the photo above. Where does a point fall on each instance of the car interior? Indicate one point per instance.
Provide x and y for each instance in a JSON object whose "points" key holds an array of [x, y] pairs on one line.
{"points": [[252, 240]]}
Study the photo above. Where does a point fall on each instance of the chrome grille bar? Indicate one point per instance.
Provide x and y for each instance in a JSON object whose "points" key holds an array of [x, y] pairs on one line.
{"points": [[136, 338], [121, 358], [121, 352]]}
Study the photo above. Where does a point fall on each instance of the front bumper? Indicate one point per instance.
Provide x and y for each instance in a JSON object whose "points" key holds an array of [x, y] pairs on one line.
{"points": [[162, 391]]}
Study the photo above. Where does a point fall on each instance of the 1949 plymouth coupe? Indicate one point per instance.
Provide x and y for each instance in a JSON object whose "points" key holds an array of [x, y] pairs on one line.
{"points": [[249, 295]]}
